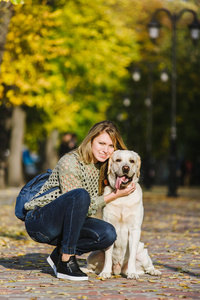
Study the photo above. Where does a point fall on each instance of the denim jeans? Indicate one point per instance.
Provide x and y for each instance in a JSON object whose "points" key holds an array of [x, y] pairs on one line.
{"points": [[64, 223]]}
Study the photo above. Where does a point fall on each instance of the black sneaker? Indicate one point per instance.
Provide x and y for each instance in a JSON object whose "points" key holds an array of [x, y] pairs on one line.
{"points": [[70, 270], [53, 260]]}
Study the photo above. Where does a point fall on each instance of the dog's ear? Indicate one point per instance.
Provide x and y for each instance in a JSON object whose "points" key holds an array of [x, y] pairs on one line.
{"points": [[138, 166], [111, 175], [109, 165]]}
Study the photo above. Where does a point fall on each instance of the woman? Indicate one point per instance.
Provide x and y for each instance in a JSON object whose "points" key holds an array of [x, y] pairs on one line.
{"points": [[62, 217]]}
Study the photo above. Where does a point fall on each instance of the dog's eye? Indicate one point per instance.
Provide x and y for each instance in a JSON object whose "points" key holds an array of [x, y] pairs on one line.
{"points": [[118, 160], [132, 161]]}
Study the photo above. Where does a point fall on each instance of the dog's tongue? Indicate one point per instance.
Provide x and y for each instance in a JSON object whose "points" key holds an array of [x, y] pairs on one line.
{"points": [[119, 181]]}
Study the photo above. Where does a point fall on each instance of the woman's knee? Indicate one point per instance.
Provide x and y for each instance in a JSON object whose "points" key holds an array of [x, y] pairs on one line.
{"points": [[80, 197], [110, 234], [83, 196]]}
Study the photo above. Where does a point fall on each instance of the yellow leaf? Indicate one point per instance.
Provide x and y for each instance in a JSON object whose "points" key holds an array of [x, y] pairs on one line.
{"points": [[101, 278], [27, 289], [44, 285], [21, 280], [183, 284], [151, 280]]}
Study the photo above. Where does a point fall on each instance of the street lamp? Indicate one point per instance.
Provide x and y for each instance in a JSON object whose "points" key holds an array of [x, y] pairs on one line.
{"points": [[154, 27], [136, 75], [127, 102], [164, 76]]}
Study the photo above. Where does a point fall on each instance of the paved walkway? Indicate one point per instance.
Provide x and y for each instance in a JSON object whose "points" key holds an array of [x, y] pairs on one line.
{"points": [[170, 230]]}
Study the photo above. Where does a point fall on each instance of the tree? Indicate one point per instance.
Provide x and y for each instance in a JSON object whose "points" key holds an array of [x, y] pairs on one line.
{"points": [[73, 68], [70, 74], [13, 1], [6, 10], [132, 119]]}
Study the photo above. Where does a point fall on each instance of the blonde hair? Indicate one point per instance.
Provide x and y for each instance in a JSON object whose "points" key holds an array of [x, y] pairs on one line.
{"points": [[85, 148]]}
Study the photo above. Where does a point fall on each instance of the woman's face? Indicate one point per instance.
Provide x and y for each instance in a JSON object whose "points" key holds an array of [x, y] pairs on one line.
{"points": [[102, 147]]}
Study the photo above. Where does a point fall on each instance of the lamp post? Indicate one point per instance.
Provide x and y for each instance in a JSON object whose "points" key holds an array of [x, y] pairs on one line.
{"points": [[136, 76], [154, 27]]}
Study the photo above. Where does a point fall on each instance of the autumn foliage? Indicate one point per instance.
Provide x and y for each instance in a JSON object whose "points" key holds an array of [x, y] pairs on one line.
{"points": [[68, 64]]}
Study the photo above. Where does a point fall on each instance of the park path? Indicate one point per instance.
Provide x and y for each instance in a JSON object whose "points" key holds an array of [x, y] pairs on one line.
{"points": [[170, 231]]}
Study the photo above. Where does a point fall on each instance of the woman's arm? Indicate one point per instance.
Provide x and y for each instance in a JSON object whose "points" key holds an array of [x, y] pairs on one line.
{"points": [[69, 173]]}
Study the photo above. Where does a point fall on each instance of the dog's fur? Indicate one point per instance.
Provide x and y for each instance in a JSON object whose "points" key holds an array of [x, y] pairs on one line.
{"points": [[127, 255]]}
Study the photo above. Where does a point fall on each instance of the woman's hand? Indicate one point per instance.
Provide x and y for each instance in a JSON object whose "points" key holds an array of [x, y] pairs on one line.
{"points": [[120, 193], [125, 192]]}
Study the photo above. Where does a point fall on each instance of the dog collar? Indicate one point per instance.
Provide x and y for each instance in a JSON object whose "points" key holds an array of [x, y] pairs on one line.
{"points": [[105, 182]]}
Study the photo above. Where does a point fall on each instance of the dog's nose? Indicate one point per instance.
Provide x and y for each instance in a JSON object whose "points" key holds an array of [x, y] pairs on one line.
{"points": [[125, 169]]}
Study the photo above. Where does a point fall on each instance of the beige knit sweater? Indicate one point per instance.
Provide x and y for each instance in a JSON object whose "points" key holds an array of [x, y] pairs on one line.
{"points": [[71, 173]]}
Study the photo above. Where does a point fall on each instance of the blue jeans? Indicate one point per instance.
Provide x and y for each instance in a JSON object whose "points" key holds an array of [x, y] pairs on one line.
{"points": [[64, 223]]}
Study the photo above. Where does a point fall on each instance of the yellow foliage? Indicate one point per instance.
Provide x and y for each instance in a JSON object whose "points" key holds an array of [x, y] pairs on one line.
{"points": [[58, 60]]}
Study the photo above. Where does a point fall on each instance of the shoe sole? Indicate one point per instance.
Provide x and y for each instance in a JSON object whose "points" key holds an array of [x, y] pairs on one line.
{"points": [[51, 263], [74, 278]]}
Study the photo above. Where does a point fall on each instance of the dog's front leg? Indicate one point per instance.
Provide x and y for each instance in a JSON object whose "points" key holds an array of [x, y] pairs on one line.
{"points": [[107, 269], [134, 238]]}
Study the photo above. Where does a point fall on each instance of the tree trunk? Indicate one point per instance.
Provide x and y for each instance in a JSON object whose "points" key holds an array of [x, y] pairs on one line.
{"points": [[5, 115], [6, 11], [51, 155], [15, 168]]}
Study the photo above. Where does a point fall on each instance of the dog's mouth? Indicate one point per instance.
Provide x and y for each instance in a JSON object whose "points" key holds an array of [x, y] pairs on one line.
{"points": [[122, 181]]}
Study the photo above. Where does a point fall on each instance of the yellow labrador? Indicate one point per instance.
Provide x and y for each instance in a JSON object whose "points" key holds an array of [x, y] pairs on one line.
{"points": [[127, 255]]}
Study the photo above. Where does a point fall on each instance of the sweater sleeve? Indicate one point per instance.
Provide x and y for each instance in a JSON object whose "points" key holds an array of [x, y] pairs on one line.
{"points": [[97, 202], [71, 176]]}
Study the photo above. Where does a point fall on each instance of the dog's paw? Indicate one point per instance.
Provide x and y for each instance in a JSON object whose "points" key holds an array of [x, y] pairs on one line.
{"points": [[87, 270], [105, 274], [132, 276], [154, 272]]}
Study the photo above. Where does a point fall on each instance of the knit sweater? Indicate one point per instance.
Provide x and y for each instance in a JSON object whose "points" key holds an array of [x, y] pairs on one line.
{"points": [[70, 173]]}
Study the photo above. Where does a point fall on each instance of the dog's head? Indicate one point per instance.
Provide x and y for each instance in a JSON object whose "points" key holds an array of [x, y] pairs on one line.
{"points": [[123, 167]]}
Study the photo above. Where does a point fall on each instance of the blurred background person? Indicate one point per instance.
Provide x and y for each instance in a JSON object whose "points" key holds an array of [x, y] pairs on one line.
{"points": [[68, 143]]}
